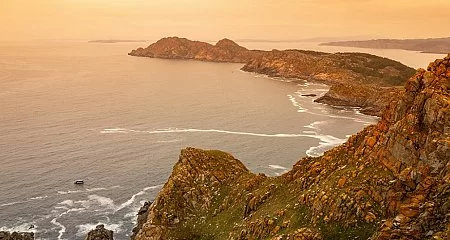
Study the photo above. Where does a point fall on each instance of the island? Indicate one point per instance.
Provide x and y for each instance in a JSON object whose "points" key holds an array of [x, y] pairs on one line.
{"points": [[429, 45], [361, 77]]}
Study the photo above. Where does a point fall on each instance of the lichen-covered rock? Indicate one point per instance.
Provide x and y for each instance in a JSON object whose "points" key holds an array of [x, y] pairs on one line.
{"points": [[100, 233], [16, 235], [389, 181]]}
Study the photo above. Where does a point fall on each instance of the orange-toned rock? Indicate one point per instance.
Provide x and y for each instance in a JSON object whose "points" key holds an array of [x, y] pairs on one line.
{"points": [[410, 210], [342, 181]]}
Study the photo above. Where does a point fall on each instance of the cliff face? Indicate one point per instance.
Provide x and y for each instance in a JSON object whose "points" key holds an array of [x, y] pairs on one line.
{"points": [[347, 69], [354, 68], [390, 181]]}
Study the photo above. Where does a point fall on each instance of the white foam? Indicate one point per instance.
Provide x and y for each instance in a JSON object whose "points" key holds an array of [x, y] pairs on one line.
{"points": [[102, 201], [39, 197], [323, 146], [62, 227], [184, 130], [296, 104], [315, 125], [278, 167], [95, 189], [69, 192], [67, 202], [12, 203], [133, 198], [24, 227], [169, 141], [84, 229]]}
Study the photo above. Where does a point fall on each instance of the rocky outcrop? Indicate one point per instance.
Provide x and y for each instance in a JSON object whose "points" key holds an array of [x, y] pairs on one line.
{"points": [[331, 68], [389, 181], [142, 217], [16, 236], [371, 100], [100, 233], [346, 69]]}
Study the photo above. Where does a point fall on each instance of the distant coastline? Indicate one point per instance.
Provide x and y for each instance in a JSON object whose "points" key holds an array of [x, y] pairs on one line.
{"points": [[429, 45], [116, 41]]}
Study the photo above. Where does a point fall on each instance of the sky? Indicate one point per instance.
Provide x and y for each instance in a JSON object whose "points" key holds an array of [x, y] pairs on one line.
{"points": [[216, 19]]}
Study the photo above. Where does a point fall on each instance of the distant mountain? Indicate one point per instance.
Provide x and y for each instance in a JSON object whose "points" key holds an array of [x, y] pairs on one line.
{"points": [[429, 45]]}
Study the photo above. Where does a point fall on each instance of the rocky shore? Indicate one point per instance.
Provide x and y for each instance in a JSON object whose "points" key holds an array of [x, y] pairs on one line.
{"points": [[348, 70], [389, 181]]}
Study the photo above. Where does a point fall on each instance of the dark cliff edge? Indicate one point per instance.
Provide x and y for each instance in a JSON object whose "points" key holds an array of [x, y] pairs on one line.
{"points": [[16, 235], [346, 69], [389, 181]]}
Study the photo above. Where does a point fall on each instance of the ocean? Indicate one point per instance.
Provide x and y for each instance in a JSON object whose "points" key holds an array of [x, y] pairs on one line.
{"points": [[74, 110]]}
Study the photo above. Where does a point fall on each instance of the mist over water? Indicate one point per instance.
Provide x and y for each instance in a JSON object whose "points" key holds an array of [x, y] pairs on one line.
{"points": [[71, 110]]}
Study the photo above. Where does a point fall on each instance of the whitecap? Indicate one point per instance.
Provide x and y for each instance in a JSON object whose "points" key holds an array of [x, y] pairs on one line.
{"points": [[84, 229], [102, 201], [278, 167], [23, 227], [58, 224], [133, 198], [315, 125], [67, 202], [169, 141]]}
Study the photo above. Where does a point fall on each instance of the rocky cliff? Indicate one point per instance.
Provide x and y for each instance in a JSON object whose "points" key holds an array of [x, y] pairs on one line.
{"points": [[389, 181], [371, 100], [100, 233], [347, 69], [16, 236]]}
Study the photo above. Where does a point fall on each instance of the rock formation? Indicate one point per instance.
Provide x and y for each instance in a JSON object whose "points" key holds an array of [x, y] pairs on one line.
{"points": [[389, 181], [372, 100], [16, 236], [347, 69], [100, 233]]}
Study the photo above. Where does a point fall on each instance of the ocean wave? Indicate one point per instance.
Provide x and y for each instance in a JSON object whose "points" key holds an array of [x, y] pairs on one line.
{"points": [[22, 227], [278, 167], [169, 141], [296, 104], [133, 198], [191, 130], [86, 190], [84, 229], [62, 228], [315, 125]]}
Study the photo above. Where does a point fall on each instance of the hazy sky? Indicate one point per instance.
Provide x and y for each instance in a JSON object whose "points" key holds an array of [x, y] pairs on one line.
{"points": [[215, 19]]}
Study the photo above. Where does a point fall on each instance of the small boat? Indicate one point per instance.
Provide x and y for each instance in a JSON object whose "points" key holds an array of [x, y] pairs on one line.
{"points": [[79, 182]]}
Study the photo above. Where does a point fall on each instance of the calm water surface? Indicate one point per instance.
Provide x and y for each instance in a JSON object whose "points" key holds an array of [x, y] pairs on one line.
{"points": [[73, 110]]}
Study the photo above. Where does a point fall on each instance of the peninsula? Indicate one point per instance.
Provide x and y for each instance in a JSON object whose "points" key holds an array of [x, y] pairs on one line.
{"points": [[364, 80], [429, 45], [389, 181]]}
